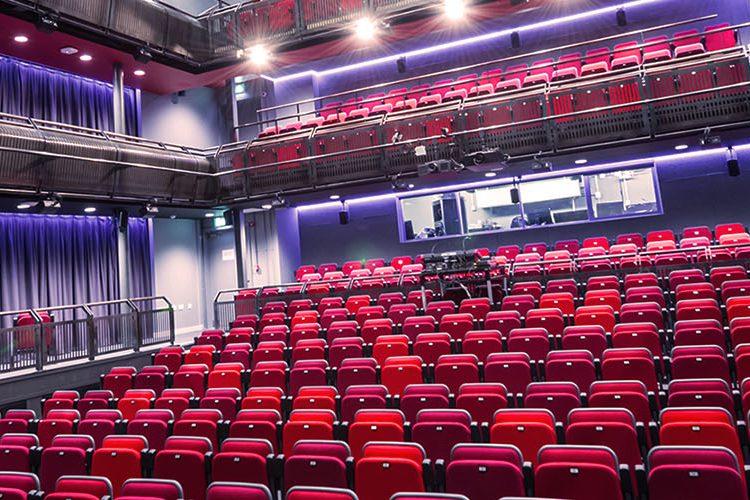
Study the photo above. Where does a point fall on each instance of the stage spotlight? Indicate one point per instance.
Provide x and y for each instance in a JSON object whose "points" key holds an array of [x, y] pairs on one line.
{"points": [[143, 56], [149, 210], [710, 140], [454, 9], [258, 55], [540, 165], [400, 185], [365, 29], [46, 24]]}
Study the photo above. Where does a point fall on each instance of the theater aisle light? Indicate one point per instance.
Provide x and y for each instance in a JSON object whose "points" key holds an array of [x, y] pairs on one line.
{"points": [[454, 9], [259, 55], [365, 29]]}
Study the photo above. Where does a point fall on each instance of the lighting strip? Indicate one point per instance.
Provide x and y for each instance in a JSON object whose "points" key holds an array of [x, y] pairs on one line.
{"points": [[601, 167], [466, 41]]}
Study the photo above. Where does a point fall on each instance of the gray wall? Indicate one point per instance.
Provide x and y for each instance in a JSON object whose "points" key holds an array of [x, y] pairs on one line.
{"points": [[694, 191], [177, 264], [197, 119], [220, 273]]}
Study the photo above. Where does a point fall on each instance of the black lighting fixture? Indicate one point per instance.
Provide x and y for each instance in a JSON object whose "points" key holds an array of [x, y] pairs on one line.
{"points": [[279, 201], [143, 56], [400, 185], [622, 18], [538, 164], [515, 196], [515, 40], [435, 167], [733, 163], [710, 140], [46, 24], [149, 210], [401, 64]]}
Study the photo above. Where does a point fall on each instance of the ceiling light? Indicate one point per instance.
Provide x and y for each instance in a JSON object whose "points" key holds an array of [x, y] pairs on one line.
{"points": [[209, 215], [454, 9], [139, 72], [21, 38], [266, 206], [259, 55], [173, 216], [681, 147], [365, 29], [89, 210], [410, 186], [68, 50], [25, 205], [490, 174], [582, 161], [334, 197], [85, 57]]}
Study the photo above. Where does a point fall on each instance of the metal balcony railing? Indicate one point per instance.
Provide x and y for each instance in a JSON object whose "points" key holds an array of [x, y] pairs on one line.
{"points": [[38, 338]]}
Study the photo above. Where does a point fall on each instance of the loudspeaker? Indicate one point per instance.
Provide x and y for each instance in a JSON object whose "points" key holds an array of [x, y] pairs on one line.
{"points": [[401, 64], [228, 217], [622, 19], [409, 230], [515, 40], [122, 220], [733, 167], [343, 216], [514, 195]]}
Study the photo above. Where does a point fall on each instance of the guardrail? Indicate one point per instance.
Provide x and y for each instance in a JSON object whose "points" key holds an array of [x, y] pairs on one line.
{"points": [[37, 338], [494, 281]]}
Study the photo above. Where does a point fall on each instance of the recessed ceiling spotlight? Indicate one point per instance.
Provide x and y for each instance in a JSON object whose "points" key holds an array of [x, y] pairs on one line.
{"points": [[21, 38], [266, 206], [582, 161], [410, 186], [139, 72], [89, 210], [681, 147], [173, 216], [209, 215], [25, 205], [334, 197], [490, 174], [85, 57], [68, 50]]}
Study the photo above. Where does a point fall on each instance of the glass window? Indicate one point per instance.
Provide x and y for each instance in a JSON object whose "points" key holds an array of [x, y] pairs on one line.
{"points": [[623, 193], [490, 209], [554, 201], [432, 216]]}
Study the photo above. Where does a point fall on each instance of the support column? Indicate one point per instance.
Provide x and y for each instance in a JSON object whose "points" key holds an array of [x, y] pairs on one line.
{"points": [[118, 100], [240, 246]]}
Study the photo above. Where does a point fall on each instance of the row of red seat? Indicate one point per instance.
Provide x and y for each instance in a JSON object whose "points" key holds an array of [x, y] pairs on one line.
{"points": [[730, 233], [570, 66]]}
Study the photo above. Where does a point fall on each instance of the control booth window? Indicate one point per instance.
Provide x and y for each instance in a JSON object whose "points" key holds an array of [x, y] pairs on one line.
{"points": [[554, 201], [623, 193], [508, 205]]}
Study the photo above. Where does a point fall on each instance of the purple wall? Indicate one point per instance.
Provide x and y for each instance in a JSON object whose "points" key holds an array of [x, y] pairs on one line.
{"points": [[694, 191]]}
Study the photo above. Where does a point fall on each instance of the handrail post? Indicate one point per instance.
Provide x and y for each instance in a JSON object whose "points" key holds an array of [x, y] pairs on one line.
{"points": [[39, 343], [93, 343], [171, 320], [138, 329]]}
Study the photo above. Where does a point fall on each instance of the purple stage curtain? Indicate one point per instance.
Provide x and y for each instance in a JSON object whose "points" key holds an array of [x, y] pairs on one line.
{"points": [[140, 268], [39, 92], [52, 260]]}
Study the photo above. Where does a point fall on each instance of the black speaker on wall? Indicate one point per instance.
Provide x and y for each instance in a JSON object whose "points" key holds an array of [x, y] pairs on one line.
{"points": [[343, 216], [401, 64], [733, 167], [228, 217], [514, 195], [515, 40]]}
